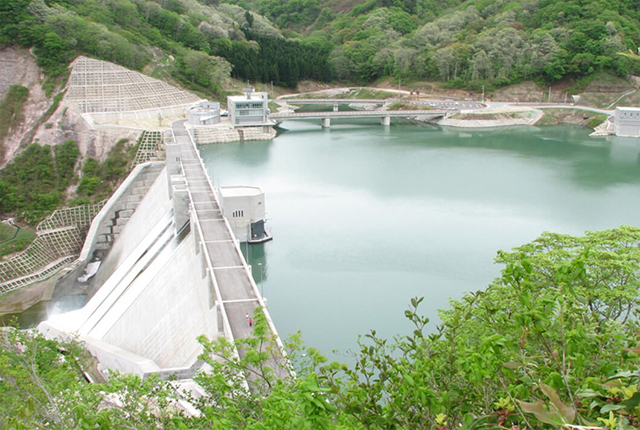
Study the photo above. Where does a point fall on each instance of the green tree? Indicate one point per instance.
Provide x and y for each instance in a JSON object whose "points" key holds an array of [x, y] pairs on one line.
{"points": [[66, 157], [54, 54], [554, 324], [43, 385], [248, 17], [551, 343]]}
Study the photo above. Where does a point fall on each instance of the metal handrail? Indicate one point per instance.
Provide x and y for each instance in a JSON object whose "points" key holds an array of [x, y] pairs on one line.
{"points": [[373, 113], [238, 251]]}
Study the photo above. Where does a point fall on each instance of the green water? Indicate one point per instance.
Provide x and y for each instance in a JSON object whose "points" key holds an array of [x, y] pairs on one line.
{"points": [[365, 217]]}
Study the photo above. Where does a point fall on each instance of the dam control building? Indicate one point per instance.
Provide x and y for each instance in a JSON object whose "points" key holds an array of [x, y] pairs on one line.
{"points": [[250, 109], [244, 209], [627, 121]]}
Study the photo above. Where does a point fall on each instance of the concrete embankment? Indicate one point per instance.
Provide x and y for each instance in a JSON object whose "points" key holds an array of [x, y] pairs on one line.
{"points": [[213, 134], [501, 117], [491, 123]]}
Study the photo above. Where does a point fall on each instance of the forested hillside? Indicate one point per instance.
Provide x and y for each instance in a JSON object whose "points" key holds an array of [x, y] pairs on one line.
{"points": [[177, 36], [465, 43], [460, 43]]}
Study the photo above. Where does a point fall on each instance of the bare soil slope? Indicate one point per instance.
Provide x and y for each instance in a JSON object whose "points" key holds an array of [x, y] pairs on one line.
{"points": [[18, 67]]}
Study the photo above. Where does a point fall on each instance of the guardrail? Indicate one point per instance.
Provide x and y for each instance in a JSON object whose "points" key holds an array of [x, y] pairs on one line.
{"points": [[331, 101], [226, 324], [363, 113]]}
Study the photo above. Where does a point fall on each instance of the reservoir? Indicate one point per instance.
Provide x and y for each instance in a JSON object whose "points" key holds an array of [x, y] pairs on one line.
{"points": [[365, 217]]}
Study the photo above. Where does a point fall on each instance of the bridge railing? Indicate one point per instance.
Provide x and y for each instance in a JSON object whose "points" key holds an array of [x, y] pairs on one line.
{"points": [[363, 113], [294, 101], [226, 326]]}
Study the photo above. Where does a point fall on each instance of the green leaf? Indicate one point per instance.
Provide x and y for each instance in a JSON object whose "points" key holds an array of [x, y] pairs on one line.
{"points": [[541, 413], [588, 393], [567, 412], [409, 379], [633, 402], [609, 407], [513, 365]]}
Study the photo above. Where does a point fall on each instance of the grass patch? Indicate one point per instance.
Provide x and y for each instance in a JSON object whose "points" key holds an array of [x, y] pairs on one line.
{"points": [[632, 99], [54, 107], [368, 93], [598, 100], [7, 232], [605, 79], [596, 120], [33, 184], [581, 84], [15, 244], [572, 116], [11, 112], [273, 107], [100, 179], [52, 82], [600, 82], [547, 119], [407, 106]]}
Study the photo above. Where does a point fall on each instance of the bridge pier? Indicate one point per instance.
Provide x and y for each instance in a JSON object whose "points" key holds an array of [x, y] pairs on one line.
{"points": [[385, 120], [326, 122], [335, 107]]}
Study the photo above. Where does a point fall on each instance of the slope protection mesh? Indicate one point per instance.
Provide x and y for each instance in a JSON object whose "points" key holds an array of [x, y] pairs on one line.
{"points": [[60, 238], [98, 86]]}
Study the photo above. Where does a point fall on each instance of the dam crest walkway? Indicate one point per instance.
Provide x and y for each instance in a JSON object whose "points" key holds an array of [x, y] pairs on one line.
{"points": [[235, 290]]}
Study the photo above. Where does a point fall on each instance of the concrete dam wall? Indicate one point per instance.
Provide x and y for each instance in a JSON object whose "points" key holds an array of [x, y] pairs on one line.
{"points": [[154, 300]]}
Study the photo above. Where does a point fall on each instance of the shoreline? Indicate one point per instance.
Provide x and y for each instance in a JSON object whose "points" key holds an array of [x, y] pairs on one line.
{"points": [[505, 114]]}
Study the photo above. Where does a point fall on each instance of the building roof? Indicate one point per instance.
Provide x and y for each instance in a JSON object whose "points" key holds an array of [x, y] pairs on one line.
{"points": [[202, 110], [628, 108], [254, 96], [240, 191]]}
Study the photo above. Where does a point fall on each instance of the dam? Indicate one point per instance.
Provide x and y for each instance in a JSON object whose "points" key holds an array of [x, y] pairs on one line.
{"points": [[160, 261], [164, 238], [179, 274]]}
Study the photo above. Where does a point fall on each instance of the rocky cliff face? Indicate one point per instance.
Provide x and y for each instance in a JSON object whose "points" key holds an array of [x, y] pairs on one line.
{"points": [[18, 67]]}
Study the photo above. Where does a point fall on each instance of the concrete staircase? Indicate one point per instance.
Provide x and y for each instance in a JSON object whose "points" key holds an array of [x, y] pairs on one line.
{"points": [[124, 209]]}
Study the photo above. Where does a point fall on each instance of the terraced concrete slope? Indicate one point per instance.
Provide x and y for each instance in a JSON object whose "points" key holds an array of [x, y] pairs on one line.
{"points": [[99, 86]]}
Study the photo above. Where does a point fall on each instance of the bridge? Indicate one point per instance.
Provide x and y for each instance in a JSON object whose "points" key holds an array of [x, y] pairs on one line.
{"points": [[334, 102], [384, 115]]}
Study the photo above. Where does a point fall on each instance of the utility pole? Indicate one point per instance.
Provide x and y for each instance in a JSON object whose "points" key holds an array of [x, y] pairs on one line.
{"points": [[482, 93], [549, 98]]}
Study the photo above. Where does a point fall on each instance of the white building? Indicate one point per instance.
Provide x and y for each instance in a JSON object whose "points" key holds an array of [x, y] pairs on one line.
{"points": [[627, 121], [244, 209], [250, 109], [205, 113]]}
